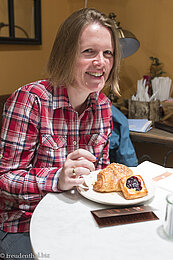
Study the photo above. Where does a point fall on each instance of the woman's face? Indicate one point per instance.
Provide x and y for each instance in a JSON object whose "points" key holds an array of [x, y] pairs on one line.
{"points": [[94, 58]]}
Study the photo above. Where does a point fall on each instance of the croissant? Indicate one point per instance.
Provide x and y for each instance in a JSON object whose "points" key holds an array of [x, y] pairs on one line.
{"points": [[108, 179]]}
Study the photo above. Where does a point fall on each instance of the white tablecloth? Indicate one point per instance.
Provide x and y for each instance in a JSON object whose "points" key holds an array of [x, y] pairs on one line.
{"points": [[63, 228]]}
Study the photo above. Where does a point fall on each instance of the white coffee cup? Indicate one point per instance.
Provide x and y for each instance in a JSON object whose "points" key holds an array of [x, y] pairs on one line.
{"points": [[168, 223]]}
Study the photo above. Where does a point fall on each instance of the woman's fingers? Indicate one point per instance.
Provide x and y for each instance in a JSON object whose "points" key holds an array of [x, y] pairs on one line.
{"points": [[81, 159], [78, 171], [83, 164], [82, 153], [69, 178], [78, 163]]}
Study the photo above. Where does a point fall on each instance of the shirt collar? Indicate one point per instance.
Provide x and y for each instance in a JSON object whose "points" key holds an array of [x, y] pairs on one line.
{"points": [[60, 98]]}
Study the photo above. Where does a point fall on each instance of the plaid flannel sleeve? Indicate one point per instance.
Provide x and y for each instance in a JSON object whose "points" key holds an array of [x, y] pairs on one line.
{"points": [[19, 138]]}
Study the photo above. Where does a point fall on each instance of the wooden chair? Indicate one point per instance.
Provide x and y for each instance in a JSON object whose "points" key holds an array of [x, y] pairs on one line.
{"points": [[3, 99]]}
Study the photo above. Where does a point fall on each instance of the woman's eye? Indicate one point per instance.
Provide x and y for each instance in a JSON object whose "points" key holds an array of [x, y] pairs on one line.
{"points": [[108, 53], [88, 51]]}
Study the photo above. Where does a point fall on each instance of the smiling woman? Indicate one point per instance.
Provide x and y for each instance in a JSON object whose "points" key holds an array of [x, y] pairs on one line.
{"points": [[54, 129], [61, 70], [93, 64]]}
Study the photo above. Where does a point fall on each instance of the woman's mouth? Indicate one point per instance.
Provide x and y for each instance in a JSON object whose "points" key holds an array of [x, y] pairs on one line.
{"points": [[95, 74]]}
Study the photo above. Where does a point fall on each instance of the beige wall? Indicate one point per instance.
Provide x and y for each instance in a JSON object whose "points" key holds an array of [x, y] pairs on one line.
{"points": [[150, 20]]}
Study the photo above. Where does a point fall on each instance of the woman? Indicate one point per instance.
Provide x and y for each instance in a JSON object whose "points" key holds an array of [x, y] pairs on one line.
{"points": [[54, 129]]}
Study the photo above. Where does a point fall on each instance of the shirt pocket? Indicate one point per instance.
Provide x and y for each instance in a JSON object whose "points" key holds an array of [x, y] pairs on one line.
{"points": [[96, 144], [52, 141], [52, 151], [96, 139]]}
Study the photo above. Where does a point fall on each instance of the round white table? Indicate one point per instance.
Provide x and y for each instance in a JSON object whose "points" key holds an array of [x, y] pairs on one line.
{"points": [[63, 228]]}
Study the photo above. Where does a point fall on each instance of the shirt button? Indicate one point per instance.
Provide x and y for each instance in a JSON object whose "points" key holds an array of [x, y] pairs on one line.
{"points": [[74, 142], [55, 146]]}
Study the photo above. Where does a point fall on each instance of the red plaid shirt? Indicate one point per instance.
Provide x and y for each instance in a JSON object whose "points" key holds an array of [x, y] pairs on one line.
{"points": [[39, 129]]}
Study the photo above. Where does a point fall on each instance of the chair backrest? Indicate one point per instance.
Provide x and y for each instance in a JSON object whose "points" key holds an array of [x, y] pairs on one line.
{"points": [[3, 99]]}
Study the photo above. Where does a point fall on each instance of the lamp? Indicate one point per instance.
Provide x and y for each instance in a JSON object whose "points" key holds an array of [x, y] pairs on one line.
{"points": [[128, 42]]}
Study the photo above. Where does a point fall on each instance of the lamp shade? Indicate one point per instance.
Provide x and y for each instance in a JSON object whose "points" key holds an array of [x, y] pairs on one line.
{"points": [[128, 42]]}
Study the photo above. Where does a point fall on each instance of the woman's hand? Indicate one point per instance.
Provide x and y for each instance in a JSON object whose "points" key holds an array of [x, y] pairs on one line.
{"points": [[78, 163]]}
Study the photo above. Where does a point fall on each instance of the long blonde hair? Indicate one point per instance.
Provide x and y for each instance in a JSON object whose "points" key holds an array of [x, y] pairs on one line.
{"points": [[64, 51]]}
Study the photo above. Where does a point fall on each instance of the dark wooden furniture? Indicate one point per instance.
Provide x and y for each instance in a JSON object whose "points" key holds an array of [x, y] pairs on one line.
{"points": [[3, 99], [155, 136]]}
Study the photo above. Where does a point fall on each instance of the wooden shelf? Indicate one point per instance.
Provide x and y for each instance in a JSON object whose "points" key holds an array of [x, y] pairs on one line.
{"points": [[155, 135]]}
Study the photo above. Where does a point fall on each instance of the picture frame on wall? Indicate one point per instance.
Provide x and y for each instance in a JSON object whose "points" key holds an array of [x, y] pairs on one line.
{"points": [[20, 22]]}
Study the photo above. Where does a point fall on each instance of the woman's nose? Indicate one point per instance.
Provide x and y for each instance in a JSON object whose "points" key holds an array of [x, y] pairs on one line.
{"points": [[99, 59]]}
